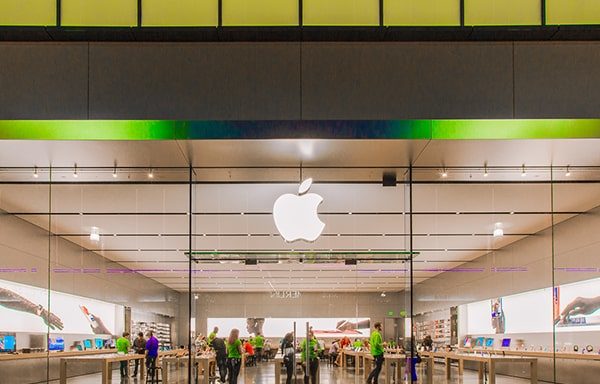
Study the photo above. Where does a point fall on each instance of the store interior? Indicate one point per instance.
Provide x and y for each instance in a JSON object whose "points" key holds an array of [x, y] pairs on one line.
{"points": [[484, 245]]}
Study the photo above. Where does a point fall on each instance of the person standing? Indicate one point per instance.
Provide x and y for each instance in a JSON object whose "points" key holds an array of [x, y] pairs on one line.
{"points": [[310, 362], [123, 345], [259, 343], [139, 347], [288, 352], [151, 354], [377, 353], [234, 355], [218, 344], [212, 336]]}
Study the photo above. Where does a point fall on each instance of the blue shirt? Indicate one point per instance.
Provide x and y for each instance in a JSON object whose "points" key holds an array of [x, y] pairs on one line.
{"points": [[152, 346]]}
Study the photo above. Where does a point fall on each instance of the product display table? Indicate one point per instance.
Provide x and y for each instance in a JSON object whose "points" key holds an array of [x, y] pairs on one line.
{"points": [[203, 363], [492, 361], [392, 364], [357, 358], [540, 354], [53, 355], [448, 358], [279, 363], [105, 361]]}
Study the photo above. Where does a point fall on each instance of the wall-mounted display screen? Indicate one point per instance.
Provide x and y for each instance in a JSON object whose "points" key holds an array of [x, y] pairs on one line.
{"points": [[24, 308], [57, 344], [505, 343], [566, 308], [87, 343], [278, 327], [8, 343], [489, 342]]}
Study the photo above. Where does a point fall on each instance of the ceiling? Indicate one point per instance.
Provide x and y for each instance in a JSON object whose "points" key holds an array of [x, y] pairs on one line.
{"points": [[144, 223]]}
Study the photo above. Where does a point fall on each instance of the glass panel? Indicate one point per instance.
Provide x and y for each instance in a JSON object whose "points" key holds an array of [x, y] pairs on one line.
{"points": [[485, 246], [576, 291], [28, 12], [179, 13], [118, 238], [106, 13], [260, 12], [26, 313], [572, 12], [421, 12], [341, 12], [503, 12]]}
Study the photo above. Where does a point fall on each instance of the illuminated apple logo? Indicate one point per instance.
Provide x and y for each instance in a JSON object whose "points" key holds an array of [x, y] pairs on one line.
{"points": [[296, 216]]}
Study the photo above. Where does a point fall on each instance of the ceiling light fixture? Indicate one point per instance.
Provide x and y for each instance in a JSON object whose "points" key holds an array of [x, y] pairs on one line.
{"points": [[35, 173], [444, 173], [151, 174], [95, 234], [383, 294], [114, 174], [568, 172], [75, 174], [498, 230], [196, 297], [485, 172], [523, 173]]}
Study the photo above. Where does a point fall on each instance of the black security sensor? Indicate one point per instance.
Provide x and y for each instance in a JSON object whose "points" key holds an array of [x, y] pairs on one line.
{"points": [[389, 179]]}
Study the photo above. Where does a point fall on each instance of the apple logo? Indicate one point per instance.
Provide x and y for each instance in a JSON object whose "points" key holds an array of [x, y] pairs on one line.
{"points": [[296, 216]]}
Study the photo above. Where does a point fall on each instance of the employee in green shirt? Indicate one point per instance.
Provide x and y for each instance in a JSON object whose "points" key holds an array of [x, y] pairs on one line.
{"points": [[123, 346], [377, 352], [357, 344], [259, 343], [234, 355], [212, 336], [311, 362]]}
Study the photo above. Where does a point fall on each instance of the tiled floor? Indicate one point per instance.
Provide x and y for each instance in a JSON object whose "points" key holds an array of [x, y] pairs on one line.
{"points": [[264, 374]]}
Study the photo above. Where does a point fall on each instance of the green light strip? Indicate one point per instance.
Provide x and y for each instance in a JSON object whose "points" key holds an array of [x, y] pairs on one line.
{"points": [[318, 129]]}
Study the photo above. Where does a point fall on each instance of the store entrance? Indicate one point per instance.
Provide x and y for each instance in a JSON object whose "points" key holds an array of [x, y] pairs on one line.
{"points": [[289, 314]]}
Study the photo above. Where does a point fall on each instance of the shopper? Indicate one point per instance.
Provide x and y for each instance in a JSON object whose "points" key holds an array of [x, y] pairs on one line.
{"points": [[212, 336], [259, 343], [139, 347], [288, 352], [234, 355], [218, 344], [310, 362], [151, 354], [377, 353], [249, 351], [267, 350], [428, 343], [123, 346], [334, 352]]}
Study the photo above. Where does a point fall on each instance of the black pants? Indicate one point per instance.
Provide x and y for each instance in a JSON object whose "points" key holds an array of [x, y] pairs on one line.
{"points": [[123, 368], [233, 367], [289, 371], [137, 365], [258, 353], [151, 366], [222, 364], [374, 375], [313, 367]]}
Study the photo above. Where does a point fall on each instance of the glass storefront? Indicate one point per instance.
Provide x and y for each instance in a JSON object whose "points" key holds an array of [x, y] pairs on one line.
{"points": [[500, 259]]}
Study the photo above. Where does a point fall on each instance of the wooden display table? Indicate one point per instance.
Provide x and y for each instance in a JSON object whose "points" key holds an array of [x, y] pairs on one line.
{"points": [[357, 358], [492, 361], [204, 363], [44, 355], [539, 354], [105, 362]]}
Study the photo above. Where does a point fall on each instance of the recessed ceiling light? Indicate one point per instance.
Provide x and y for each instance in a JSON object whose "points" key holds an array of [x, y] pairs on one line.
{"points": [[485, 172], [498, 230], [568, 173], [95, 234], [444, 173], [35, 173], [151, 174]]}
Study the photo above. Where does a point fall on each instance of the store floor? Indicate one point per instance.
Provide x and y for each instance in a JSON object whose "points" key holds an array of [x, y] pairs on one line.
{"points": [[264, 374]]}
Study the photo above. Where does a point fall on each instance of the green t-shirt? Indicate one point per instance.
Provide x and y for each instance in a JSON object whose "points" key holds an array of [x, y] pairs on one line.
{"points": [[357, 344], [376, 343], [259, 341], [313, 348], [211, 337], [233, 350], [123, 344]]}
